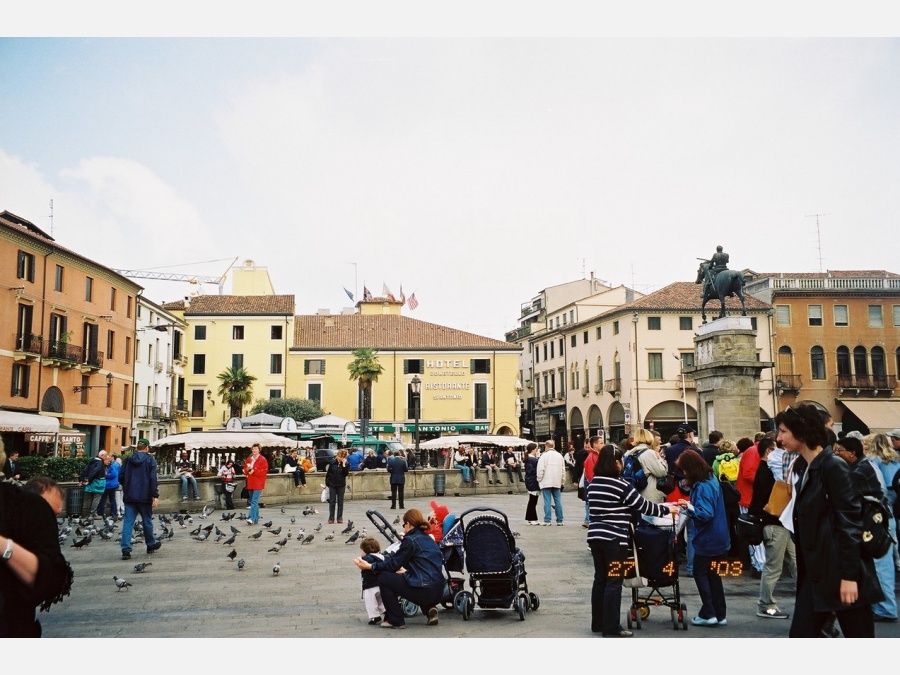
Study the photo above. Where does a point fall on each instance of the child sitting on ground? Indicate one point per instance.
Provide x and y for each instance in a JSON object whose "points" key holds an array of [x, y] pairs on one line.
{"points": [[436, 518], [370, 590]]}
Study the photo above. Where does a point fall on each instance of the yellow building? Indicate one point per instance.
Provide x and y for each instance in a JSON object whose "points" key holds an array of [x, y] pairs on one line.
{"points": [[226, 331], [469, 382]]}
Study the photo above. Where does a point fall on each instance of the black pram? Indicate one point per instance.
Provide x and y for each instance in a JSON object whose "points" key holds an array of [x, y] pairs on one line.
{"points": [[496, 566], [657, 568]]}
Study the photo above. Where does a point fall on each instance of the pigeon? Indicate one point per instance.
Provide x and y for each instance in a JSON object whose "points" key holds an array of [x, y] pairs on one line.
{"points": [[293, 519], [219, 532], [276, 569], [230, 540], [330, 537], [256, 535], [275, 549], [121, 583], [81, 542], [349, 527], [209, 528], [234, 530], [282, 542], [267, 524], [203, 536], [105, 536], [516, 534], [170, 534], [140, 567], [318, 528], [276, 531], [363, 533], [282, 509], [194, 533], [310, 510], [207, 511], [232, 555], [396, 520], [352, 538], [308, 539], [241, 564]]}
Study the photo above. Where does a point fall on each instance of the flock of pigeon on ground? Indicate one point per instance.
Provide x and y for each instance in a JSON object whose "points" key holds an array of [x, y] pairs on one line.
{"points": [[83, 531]]}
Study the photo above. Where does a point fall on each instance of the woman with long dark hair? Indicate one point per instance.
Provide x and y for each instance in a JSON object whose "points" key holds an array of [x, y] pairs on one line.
{"points": [[613, 503], [708, 532], [832, 576], [531, 483]]}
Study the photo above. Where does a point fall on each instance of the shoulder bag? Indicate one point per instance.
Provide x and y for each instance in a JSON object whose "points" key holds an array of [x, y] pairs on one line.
{"points": [[778, 499]]}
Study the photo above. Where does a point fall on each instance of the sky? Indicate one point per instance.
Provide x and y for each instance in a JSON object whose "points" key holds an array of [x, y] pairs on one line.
{"points": [[474, 171]]}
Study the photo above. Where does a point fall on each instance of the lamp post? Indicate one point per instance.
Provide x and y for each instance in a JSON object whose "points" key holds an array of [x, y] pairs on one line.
{"points": [[416, 386], [683, 392], [109, 379]]}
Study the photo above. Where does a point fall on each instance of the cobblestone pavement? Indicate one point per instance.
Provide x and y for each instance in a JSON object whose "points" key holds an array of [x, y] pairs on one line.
{"points": [[192, 589]]}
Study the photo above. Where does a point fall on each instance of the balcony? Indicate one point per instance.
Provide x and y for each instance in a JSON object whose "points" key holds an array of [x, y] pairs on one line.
{"points": [[530, 308], [165, 413], [613, 386], [62, 354], [788, 382], [148, 412], [92, 362], [585, 391], [868, 385], [28, 347], [158, 367], [181, 407], [518, 333]]}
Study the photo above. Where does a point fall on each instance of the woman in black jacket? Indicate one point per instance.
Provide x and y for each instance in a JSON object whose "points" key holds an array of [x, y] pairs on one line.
{"points": [[832, 576], [336, 482], [531, 483]]}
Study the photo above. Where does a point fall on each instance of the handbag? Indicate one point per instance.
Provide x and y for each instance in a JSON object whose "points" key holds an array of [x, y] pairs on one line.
{"points": [[778, 499], [666, 484], [325, 491], [876, 534], [245, 494], [750, 528], [229, 487]]}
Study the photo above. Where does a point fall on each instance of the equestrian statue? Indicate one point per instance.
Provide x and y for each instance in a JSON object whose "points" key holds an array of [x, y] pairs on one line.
{"points": [[719, 282]]}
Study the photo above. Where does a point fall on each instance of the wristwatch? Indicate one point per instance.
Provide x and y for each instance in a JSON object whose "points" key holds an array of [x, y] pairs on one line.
{"points": [[7, 554]]}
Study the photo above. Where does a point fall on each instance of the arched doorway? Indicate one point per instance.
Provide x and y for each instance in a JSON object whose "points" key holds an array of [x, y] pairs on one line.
{"points": [[595, 421], [504, 431], [616, 423], [576, 428], [666, 417]]}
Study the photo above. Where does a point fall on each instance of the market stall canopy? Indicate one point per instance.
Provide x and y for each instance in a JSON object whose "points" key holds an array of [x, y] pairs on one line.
{"points": [[261, 420], [475, 439], [227, 440], [880, 416], [27, 423], [329, 423]]}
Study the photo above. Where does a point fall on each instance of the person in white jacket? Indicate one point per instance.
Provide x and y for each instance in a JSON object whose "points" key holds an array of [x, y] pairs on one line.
{"points": [[551, 470]]}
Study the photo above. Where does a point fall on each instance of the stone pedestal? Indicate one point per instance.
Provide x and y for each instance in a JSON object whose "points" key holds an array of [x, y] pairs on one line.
{"points": [[727, 374]]}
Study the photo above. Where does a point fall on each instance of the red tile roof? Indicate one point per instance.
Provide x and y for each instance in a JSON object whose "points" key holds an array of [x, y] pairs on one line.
{"points": [[238, 305], [685, 296], [352, 331]]}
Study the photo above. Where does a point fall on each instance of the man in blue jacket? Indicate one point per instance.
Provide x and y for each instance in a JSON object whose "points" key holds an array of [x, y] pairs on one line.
{"points": [[397, 467], [140, 492]]}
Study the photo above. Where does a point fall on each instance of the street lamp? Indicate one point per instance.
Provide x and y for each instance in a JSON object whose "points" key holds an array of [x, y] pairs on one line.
{"points": [[109, 379], [683, 391], [416, 387]]}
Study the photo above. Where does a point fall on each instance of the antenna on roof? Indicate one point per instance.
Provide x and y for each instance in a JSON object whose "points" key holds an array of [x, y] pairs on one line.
{"points": [[818, 236], [51, 217]]}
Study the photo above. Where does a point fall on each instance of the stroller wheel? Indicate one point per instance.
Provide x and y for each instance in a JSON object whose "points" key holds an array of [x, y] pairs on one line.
{"points": [[459, 602], [520, 606], [410, 609], [535, 601], [465, 605], [645, 611]]}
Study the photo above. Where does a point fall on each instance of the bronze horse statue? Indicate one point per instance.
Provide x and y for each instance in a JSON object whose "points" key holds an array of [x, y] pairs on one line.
{"points": [[726, 283]]}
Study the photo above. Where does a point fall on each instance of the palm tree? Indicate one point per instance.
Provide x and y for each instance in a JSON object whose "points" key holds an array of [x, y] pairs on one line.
{"points": [[365, 369], [236, 389]]}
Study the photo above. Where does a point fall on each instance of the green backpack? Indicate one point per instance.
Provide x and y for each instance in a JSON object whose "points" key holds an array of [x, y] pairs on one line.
{"points": [[727, 466]]}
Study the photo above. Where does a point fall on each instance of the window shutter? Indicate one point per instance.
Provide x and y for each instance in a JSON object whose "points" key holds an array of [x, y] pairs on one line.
{"points": [[306, 366], [471, 365], [322, 363]]}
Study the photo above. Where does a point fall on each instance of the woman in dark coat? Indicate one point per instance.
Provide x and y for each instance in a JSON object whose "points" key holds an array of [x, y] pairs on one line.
{"points": [[832, 575], [531, 483]]}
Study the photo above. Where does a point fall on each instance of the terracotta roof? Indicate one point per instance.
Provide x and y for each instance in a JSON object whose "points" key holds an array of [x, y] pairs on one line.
{"points": [[32, 231], [685, 296], [175, 305], [240, 305], [387, 331], [838, 274]]}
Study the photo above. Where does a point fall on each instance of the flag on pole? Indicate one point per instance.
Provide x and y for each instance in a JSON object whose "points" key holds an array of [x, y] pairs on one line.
{"points": [[366, 294], [349, 295], [402, 297], [413, 303], [386, 292]]}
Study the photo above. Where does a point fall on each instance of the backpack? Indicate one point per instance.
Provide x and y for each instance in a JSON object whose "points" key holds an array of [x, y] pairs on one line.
{"points": [[633, 471], [727, 466]]}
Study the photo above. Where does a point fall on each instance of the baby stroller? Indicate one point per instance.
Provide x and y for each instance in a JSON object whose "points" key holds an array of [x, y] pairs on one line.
{"points": [[450, 553], [495, 565], [655, 569]]}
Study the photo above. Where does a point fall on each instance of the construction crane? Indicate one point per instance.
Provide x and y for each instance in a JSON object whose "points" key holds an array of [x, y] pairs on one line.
{"points": [[189, 278]]}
